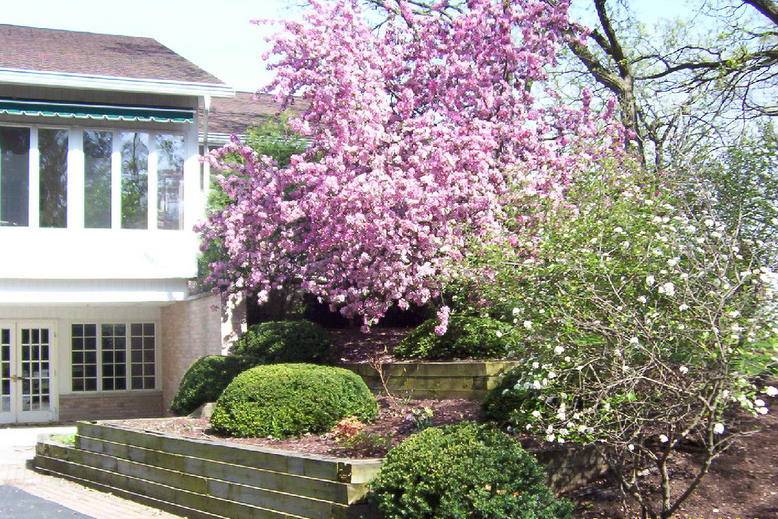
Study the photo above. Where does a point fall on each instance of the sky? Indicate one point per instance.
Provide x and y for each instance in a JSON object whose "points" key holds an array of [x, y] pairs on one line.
{"points": [[216, 35]]}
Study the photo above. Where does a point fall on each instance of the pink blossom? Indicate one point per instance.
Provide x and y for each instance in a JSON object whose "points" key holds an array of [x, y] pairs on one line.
{"points": [[424, 135]]}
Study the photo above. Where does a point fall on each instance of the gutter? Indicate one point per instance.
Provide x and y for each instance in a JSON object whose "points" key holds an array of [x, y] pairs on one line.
{"points": [[112, 83]]}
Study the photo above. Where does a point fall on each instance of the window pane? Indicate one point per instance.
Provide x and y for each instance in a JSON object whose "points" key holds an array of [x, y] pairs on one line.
{"points": [[53, 150], [14, 176], [83, 342], [113, 358], [170, 181], [135, 179], [97, 179], [142, 338]]}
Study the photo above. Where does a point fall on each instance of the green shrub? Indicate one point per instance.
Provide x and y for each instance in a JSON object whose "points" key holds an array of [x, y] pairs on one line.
{"points": [[464, 471], [204, 382], [282, 400], [466, 337], [283, 341], [505, 398]]}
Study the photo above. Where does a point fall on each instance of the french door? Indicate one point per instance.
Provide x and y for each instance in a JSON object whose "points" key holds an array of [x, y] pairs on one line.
{"points": [[26, 371]]}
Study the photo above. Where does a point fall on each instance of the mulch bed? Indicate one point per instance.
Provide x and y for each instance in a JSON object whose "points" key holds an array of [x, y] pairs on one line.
{"points": [[351, 345], [394, 423], [742, 482]]}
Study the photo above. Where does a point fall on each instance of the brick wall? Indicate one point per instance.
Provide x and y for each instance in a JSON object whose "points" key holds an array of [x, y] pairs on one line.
{"points": [[192, 329], [110, 406]]}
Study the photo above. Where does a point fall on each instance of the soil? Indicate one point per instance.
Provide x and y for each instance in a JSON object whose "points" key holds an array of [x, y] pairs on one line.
{"points": [[351, 345], [394, 424], [742, 482]]}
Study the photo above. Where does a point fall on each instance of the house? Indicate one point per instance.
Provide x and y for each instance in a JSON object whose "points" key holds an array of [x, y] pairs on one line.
{"points": [[100, 188]]}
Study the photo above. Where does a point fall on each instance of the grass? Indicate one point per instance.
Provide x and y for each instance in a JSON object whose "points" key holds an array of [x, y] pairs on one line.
{"points": [[65, 439]]}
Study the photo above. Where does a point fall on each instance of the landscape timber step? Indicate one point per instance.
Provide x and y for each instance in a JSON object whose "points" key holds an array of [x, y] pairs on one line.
{"points": [[55, 467], [317, 467], [284, 503], [213, 479], [165, 497], [342, 493]]}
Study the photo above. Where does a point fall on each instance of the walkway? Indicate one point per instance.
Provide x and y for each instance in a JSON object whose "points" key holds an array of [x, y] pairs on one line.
{"points": [[26, 494]]}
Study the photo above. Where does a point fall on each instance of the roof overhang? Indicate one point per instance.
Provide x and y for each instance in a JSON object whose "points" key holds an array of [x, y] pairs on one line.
{"points": [[117, 84]]}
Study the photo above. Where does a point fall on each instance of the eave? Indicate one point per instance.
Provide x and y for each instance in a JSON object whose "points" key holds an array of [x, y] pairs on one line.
{"points": [[111, 83]]}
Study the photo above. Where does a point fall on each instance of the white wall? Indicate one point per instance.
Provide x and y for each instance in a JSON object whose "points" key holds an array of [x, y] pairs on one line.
{"points": [[96, 254], [37, 292]]}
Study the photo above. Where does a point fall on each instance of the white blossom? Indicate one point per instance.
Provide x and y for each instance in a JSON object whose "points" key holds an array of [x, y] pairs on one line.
{"points": [[663, 438], [684, 370], [667, 289], [650, 280], [771, 391], [718, 428]]}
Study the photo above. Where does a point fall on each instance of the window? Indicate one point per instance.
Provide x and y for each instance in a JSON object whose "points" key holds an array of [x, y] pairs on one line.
{"points": [[116, 187], [170, 181], [83, 343], [142, 355], [114, 354], [135, 179], [14, 176], [119, 350], [53, 151], [98, 147]]}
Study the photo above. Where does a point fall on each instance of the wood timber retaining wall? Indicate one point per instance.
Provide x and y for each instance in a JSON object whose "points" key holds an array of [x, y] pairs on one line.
{"points": [[437, 380], [200, 479]]}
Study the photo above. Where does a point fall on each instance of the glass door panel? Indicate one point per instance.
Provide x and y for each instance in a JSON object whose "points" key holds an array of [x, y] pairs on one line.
{"points": [[34, 380], [6, 373]]}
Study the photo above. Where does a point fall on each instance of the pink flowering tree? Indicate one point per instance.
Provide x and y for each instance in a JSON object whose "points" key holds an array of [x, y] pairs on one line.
{"points": [[427, 131]]}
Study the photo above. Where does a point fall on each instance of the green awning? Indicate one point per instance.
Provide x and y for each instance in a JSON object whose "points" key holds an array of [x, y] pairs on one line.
{"points": [[99, 112]]}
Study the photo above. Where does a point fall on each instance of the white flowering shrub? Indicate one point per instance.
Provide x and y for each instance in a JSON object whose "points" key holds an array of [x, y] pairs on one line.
{"points": [[637, 316]]}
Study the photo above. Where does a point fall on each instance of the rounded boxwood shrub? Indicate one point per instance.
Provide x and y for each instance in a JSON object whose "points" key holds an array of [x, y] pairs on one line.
{"points": [[464, 471], [204, 381], [466, 337], [283, 341], [283, 400]]}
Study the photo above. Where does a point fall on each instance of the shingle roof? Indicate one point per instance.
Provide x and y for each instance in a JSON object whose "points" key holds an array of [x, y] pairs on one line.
{"points": [[54, 50], [230, 115]]}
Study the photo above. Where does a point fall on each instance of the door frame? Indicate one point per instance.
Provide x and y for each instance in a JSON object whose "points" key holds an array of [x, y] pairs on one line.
{"points": [[17, 415], [10, 416]]}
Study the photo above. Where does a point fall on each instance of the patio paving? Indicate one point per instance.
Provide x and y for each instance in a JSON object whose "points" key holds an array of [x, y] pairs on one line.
{"points": [[26, 494]]}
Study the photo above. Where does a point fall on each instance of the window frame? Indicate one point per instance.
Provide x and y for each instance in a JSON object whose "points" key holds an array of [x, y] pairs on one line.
{"points": [[76, 170], [127, 351]]}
